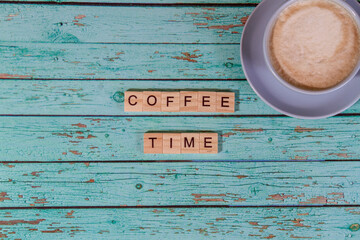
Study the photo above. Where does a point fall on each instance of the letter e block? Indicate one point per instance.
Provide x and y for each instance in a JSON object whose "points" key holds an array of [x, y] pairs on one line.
{"points": [[153, 143], [208, 143], [188, 101], [151, 101], [190, 142], [170, 101], [225, 102], [206, 101], [133, 101], [171, 143]]}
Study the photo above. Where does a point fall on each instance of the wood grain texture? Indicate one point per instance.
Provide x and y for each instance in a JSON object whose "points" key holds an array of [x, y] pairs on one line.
{"points": [[64, 97], [181, 184], [120, 61], [109, 24], [182, 223], [120, 138]]}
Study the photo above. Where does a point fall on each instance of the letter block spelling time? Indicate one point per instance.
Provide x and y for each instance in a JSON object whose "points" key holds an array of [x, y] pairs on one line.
{"points": [[181, 143]]}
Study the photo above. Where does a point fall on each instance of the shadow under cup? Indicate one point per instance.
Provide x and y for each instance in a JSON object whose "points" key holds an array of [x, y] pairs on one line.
{"points": [[267, 52]]}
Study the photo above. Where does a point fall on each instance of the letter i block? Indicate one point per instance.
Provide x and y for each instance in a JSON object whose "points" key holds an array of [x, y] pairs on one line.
{"points": [[170, 101], [133, 102], [153, 143], [151, 101], [190, 142], [171, 143], [225, 102], [208, 143]]}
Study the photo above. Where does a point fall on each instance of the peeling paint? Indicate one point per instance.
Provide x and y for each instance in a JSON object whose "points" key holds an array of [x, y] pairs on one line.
{"points": [[188, 57], [343, 155], [15, 222], [280, 197], [11, 76], [225, 27], [299, 129], [80, 125], [3, 196]]}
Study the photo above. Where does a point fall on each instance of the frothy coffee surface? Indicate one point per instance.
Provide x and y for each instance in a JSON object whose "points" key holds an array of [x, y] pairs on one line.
{"points": [[314, 44]]}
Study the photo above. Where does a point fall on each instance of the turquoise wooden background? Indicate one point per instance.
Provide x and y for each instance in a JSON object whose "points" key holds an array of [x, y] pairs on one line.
{"points": [[71, 160]]}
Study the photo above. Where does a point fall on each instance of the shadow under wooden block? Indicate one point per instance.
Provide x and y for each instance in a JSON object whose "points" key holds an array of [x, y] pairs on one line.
{"points": [[153, 143], [133, 101], [171, 143], [190, 142]]}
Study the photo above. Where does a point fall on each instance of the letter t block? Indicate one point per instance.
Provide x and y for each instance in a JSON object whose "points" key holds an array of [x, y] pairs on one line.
{"points": [[153, 143]]}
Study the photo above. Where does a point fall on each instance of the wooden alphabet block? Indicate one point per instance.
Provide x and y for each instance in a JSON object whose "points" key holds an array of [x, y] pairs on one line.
{"points": [[133, 101], [153, 143], [206, 101], [208, 143], [225, 102], [171, 143], [188, 101], [151, 101], [170, 101], [190, 142]]}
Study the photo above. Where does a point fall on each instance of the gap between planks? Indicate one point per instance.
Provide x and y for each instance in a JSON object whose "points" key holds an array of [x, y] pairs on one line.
{"points": [[184, 206], [201, 116], [111, 4]]}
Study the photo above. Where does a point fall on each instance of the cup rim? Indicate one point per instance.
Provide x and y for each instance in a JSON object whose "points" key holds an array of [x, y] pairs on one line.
{"points": [[267, 34]]}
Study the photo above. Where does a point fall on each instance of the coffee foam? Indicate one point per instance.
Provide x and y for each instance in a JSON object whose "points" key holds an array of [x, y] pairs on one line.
{"points": [[314, 44]]}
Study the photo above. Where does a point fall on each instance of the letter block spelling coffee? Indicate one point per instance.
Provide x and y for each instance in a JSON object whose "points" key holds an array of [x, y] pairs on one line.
{"points": [[180, 143], [183, 101]]}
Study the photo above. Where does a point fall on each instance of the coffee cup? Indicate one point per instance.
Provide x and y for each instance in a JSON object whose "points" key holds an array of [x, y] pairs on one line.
{"points": [[313, 46]]}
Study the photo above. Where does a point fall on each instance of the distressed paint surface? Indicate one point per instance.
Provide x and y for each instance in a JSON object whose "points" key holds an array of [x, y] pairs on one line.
{"points": [[60, 44], [119, 61], [120, 138], [182, 223], [108, 24], [181, 184]]}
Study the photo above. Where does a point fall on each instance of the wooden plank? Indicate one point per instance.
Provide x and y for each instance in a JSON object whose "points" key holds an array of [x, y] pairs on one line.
{"points": [[182, 223], [182, 184], [64, 97], [120, 61], [142, 1], [109, 24], [120, 138]]}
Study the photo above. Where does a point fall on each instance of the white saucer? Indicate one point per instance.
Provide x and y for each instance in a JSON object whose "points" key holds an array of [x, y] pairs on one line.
{"points": [[274, 93]]}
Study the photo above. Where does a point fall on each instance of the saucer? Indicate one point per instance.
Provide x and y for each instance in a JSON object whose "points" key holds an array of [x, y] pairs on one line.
{"points": [[272, 91]]}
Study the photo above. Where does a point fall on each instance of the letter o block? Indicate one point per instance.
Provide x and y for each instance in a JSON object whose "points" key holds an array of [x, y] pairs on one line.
{"points": [[151, 101]]}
